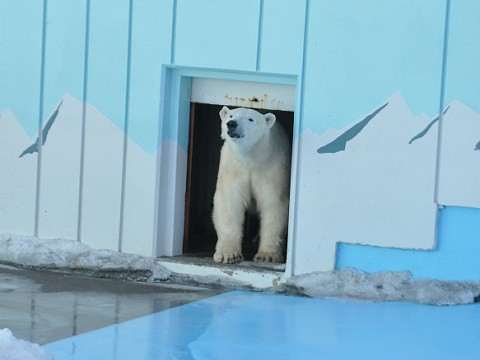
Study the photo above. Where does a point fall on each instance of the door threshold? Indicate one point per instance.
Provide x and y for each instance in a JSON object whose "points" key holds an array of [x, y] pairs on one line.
{"points": [[248, 274]]}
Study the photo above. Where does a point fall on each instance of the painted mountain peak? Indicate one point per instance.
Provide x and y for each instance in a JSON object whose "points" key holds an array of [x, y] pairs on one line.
{"points": [[68, 116], [429, 126], [34, 147], [394, 119], [458, 115], [371, 184], [340, 142], [60, 172], [459, 158]]}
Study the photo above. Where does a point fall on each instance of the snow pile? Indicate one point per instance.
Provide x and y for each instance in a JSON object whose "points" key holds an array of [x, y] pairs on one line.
{"points": [[73, 256], [354, 284], [31, 251], [12, 348]]}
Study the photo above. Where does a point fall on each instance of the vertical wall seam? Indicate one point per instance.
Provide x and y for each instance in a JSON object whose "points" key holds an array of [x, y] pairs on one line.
{"points": [[40, 118], [260, 34], [84, 119], [300, 120], [125, 132], [442, 99], [174, 33]]}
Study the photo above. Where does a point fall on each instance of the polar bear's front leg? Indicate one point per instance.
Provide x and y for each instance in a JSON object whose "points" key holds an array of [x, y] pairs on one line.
{"points": [[273, 223], [228, 217], [272, 234]]}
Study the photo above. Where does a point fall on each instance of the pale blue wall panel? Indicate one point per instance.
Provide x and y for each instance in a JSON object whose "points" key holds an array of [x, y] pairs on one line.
{"points": [[217, 34], [105, 116], [361, 52], [463, 70], [21, 44], [459, 178], [107, 66], [151, 44], [64, 52], [63, 89], [281, 49], [20, 79], [361, 55]]}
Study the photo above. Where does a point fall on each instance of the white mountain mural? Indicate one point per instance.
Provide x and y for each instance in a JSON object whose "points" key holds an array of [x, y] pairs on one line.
{"points": [[459, 179], [60, 174], [373, 182], [18, 178], [459, 173]]}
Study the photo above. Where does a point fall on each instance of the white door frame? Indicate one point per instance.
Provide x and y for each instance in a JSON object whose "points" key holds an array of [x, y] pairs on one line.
{"points": [[171, 174]]}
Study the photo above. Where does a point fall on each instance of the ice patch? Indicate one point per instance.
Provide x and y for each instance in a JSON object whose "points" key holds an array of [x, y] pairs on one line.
{"points": [[12, 348], [354, 284], [31, 251]]}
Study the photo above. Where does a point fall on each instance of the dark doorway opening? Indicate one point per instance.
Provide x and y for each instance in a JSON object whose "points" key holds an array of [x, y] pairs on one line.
{"points": [[203, 162]]}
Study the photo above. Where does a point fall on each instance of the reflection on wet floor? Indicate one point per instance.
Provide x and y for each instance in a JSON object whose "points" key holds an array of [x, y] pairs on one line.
{"points": [[42, 307]]}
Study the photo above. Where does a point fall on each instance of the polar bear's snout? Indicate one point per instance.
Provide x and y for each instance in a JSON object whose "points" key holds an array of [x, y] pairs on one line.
{"points": [[231, 125], [232, 130]]}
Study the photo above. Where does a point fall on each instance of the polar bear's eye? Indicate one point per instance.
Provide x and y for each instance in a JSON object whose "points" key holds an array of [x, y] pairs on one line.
{"points": [[231, 116], [251, 120]]}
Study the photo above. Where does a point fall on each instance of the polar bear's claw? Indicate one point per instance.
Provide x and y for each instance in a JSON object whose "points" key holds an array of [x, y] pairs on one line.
{"points": [[268, 257], [227, 258]]}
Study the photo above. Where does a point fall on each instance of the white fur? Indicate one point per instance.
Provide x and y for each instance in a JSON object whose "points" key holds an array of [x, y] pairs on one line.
{"points": [[254, 171]]}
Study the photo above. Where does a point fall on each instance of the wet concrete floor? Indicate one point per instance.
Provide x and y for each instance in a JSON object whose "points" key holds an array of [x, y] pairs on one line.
{"points": [[42, 307]]}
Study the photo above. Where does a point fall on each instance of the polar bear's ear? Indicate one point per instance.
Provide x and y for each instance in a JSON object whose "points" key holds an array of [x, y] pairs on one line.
{"points": [[223, 113], [270, 119]]}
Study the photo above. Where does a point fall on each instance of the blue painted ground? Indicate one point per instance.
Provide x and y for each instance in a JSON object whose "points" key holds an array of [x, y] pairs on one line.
{"points": [[247, 325]]}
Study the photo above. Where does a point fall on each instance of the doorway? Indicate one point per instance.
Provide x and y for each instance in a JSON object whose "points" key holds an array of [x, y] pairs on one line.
{"points": [[203, 162]]}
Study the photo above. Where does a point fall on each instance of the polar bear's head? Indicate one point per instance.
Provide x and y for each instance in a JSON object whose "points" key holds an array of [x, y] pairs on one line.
{"points": [[245, 126]]}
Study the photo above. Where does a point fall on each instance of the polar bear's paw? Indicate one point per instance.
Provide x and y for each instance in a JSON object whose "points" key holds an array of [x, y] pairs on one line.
{"points": [[269, 257], [227, 257]]}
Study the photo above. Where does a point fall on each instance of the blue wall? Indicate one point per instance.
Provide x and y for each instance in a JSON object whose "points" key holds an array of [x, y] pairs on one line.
{"points": [[359, 53], [462, 71], [20, 65], [456, 256], [347, 59], [458, 242]]}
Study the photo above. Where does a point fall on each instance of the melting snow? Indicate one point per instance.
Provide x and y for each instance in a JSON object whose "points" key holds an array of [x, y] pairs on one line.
{"points": [[12, 348], [347, 283], [382, 286], [31, 251]]}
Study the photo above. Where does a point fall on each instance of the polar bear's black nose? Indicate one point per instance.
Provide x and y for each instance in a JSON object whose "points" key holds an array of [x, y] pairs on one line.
{"points": [[231, 125]]}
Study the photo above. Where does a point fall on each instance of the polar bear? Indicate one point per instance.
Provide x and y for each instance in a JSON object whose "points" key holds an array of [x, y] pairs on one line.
{"points": [[254, 175]]}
